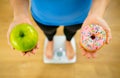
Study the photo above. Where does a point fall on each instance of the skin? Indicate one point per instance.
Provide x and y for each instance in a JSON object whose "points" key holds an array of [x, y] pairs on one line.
{"points": [[21, 15], [95, 16]]}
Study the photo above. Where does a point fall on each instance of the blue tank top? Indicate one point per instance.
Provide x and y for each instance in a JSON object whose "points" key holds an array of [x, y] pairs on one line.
{"points": [[60, 12]]}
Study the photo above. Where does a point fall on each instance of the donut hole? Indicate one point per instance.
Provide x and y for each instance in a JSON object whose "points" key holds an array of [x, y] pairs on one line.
{"points": [[92, 37]]}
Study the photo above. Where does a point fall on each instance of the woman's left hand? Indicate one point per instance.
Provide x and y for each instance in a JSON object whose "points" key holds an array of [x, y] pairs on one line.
{"points": [[94, 19]]}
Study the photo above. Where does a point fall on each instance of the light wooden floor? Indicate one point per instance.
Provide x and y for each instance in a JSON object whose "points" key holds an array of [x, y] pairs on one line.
{"points": [[106, 65]]}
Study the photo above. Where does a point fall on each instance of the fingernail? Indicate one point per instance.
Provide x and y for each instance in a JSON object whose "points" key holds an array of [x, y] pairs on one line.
{"points": [[33, 53], [108, 41], [88, 57], [23, 54], [93, 56], [27, 55], [83, 53]]}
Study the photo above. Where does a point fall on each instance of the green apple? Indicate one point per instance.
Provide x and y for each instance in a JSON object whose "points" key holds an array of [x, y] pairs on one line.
{"points": [[23, 37]]}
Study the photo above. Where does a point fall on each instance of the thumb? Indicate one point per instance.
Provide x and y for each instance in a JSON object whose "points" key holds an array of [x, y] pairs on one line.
{"points": [[107, 29]]}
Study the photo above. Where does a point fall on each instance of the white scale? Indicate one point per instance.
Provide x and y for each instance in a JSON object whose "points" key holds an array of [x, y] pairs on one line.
{"points": [[59, 56]]}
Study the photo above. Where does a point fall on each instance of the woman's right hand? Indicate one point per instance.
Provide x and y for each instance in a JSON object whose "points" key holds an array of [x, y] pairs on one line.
{"points": [[19, 20]]}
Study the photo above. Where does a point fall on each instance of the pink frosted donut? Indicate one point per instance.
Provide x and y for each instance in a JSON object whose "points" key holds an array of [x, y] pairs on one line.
{"points": [[93, 37]]}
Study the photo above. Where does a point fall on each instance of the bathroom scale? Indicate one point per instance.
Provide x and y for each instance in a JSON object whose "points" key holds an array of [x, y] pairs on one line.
{"points": [[59, 51]]}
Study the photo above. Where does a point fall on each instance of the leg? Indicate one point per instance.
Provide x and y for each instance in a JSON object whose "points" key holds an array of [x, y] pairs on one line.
{"points": [[69, 32], [49, 31]]}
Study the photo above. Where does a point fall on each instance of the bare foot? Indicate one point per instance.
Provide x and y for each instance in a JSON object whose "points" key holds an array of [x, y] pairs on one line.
{"points": [[69, 50], [49, 50]]}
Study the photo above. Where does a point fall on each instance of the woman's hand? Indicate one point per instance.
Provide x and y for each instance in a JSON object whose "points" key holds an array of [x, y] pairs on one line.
{"points": [[94, 19], [19, 20]]}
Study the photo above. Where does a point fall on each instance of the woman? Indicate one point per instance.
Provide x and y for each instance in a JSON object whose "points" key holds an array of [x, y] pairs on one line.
{"points": [[50, 14]]}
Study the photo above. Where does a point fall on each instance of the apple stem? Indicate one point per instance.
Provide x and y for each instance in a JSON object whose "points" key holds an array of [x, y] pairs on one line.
{"points": [[22, 34]]}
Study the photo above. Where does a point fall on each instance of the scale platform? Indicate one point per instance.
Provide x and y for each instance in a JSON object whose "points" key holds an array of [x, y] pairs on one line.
{"points": [[59, 56]]}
